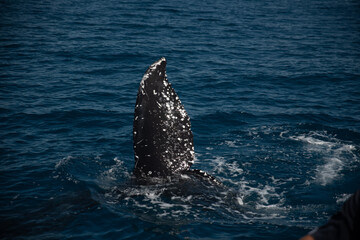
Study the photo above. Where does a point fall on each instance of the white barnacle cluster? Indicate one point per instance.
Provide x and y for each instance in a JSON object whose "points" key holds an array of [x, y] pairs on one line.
{"points": [[185, 165], [169, 105], [138, 106], [183, 113], [165, 95], [176, 164], [148, 73]]}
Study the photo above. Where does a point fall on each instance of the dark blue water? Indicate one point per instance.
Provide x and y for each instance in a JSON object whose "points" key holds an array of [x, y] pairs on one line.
{"points": [[272, 89]]}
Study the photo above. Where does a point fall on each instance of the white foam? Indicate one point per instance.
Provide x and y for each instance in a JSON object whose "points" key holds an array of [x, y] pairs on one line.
{"points": [[327, 172], [63, 161], [231, 143], [112, 174], [240, 201], [232, 169], [342, 198], [263, 197], [335, 154]]}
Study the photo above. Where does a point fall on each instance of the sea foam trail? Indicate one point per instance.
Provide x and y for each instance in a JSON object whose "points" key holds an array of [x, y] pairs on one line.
{"points": [[334, 155]]}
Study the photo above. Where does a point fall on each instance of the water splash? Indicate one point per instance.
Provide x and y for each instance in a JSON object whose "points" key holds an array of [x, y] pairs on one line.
{"points": [[334, 154]]}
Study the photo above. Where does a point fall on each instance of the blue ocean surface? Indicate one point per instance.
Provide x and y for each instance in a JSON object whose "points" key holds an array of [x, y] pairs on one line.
{"points": [[272, 89]]}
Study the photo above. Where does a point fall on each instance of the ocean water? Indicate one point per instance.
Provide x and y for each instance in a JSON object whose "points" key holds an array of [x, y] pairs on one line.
{"points": [[272, 89]]}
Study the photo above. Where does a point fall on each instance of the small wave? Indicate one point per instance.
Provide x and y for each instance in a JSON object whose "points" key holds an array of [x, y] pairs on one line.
{"points": [[112, 175], [230, 143]]}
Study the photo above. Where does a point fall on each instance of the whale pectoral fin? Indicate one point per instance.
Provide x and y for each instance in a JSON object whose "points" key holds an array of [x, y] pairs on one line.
{"points": [[163, 141]]}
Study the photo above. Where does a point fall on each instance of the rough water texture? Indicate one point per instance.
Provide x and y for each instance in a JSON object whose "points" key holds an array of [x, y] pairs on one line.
{"points": [[272, 89]]}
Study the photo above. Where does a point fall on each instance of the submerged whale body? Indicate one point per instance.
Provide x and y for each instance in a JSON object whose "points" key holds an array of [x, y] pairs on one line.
{"points": [[163, 140]]}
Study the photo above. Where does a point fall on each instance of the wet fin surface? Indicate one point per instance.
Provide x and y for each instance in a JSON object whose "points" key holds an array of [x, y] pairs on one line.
{"points": [[163, 140]]}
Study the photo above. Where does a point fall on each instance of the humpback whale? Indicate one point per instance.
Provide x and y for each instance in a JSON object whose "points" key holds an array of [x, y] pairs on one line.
{"points": [[162, 136]]}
